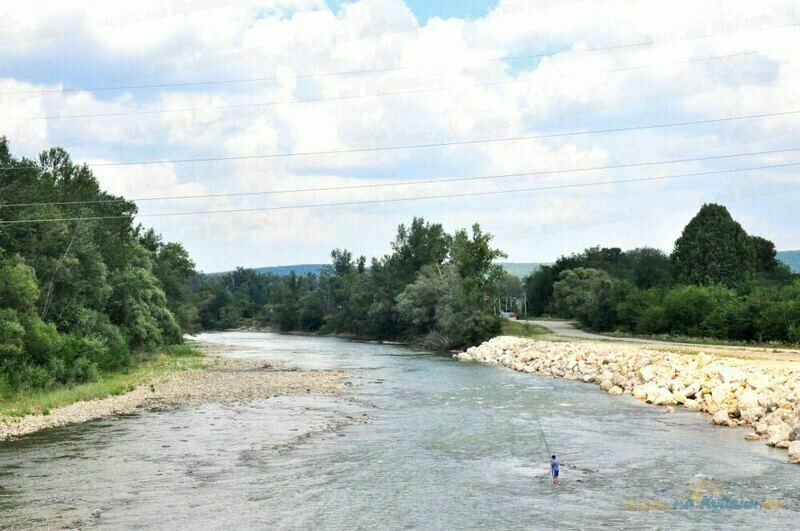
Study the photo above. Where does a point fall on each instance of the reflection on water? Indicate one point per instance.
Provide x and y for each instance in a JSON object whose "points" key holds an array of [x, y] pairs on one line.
{"points": [[449, 446]]}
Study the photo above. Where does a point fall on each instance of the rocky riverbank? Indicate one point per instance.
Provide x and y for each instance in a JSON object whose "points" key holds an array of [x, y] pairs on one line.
{"points": [[759, 393], [220, 380]]}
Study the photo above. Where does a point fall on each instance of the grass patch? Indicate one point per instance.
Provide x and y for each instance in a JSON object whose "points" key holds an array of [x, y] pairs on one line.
{"points": [[522, 329], [170, 359], [182, 351]]}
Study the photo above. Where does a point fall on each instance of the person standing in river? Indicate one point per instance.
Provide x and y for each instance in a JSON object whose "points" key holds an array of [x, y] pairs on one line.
{"points": [[554, 464]]}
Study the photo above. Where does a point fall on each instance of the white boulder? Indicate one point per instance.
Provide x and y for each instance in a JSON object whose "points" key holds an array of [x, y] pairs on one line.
{"points": [[777, 433], [721, 417], [794, 452]]}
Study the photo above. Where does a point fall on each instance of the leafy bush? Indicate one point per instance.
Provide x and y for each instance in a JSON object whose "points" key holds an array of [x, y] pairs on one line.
{"points": [[590, 295], [653, 320], [793, 334], [686, 308]]}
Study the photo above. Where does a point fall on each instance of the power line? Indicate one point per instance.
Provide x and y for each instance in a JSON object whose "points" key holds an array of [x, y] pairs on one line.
{"points": [[368, 71], [410, 183], [406, 199], [358, 96], [662, 125]]}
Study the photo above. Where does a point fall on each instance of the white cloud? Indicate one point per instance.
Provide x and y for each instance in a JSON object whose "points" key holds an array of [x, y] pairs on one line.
{"points": [[147, 42]]}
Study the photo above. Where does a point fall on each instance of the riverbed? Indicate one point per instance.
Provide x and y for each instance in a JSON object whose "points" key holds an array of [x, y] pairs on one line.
{"points": [[420, 441]]}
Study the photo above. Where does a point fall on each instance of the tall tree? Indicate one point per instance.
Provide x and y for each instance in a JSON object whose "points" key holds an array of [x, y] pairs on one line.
{"points": [[765, 254], [713, 249], [474, 257]]}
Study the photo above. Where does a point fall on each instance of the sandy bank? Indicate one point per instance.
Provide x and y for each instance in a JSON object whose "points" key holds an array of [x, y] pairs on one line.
{"points": [[764, 394], [220, 380]]}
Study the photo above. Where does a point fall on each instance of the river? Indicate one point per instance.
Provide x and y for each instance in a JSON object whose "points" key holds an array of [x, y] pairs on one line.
{"points": [[422, 442]]}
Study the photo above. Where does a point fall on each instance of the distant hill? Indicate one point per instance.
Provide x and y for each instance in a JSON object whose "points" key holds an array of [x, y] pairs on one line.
{"points": [[523, 269], [790, 258], [520, 269], [299, 269]]}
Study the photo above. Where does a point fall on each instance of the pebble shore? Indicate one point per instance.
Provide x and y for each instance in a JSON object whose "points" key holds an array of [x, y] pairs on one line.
{"points": [[220, 380], [763, 394]]}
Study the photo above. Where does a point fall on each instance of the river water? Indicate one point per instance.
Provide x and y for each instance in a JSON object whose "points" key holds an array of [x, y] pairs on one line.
{"points": [[420, 442]]}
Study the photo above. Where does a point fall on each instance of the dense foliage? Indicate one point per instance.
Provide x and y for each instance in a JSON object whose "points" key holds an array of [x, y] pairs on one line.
{"points": [[78, 297], [433, 287], [719, 282]]}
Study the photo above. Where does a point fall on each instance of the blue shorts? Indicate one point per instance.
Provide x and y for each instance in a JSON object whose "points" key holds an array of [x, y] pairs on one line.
{"points": [[555, 473]]}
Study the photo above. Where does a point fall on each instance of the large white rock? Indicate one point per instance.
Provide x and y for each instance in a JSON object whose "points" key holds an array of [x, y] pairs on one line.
{"points": [[794, 452], [662, 397], [748, 399], [751, 415], [721, 393], [731, 374], [721, 417], [692, 389], [647, 373], [794, 434], [619, 380], [615, 391], [758, 380], [645, 391], [777, 433], [704, 359]]}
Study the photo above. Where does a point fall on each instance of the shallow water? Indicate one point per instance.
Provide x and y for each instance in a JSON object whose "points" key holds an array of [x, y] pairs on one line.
{"points": [[448, 445]]}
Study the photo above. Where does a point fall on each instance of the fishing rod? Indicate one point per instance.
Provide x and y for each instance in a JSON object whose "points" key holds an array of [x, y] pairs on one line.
{"points": [[544, 438]]}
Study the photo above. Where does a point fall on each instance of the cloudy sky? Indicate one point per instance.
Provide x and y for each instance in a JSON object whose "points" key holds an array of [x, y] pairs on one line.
{"points": [[233, 79]]}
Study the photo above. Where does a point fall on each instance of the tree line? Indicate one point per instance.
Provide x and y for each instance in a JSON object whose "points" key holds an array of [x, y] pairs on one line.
{"points": [[718, 282], [433, 288], [79, 297]]}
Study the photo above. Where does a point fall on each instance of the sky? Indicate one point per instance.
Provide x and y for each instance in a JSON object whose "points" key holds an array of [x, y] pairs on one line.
{"points": [[523, 87]]}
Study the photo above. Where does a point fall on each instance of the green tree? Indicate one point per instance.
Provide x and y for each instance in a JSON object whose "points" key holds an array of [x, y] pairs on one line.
{"points": [[589, 295], [474, 257], [647, 267], [765, 254], [439, 309], [416, 246], [539, 289], [713, 249], [138, 306]]}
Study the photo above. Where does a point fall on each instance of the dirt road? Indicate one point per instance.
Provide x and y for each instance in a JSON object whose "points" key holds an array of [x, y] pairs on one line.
{"points": [[567, 329]]}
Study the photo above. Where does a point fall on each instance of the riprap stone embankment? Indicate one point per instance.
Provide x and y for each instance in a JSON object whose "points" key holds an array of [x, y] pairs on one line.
{"points": [[763, 394]]}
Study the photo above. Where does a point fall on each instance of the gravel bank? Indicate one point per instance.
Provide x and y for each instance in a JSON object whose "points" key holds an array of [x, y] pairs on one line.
{"points": [[763, 394], [221, 380]]}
